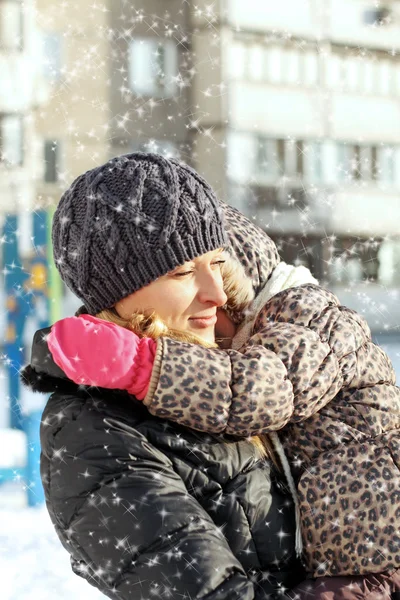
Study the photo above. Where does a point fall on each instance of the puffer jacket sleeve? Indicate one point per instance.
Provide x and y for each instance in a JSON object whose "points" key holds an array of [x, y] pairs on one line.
{"points": [[305, 347], [285, 373], [127, 520], [345, 331]]}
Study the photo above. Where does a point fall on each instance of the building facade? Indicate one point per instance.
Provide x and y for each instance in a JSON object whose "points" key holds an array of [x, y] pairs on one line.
{"points": [[21, 92], [72, 127], [290, 110], [303, 106]]}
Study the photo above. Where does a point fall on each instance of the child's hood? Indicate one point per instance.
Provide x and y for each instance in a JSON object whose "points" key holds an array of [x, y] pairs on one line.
{"points": [[253, 248]]}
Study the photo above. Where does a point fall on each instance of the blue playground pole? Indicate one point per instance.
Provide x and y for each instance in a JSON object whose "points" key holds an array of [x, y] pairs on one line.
{"points": [[27, 291], [38, 284], [34, 488], [18, 308]]}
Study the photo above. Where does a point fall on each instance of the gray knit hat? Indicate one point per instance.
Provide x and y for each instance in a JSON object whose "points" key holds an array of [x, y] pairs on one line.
{"points": [[124, 224]]}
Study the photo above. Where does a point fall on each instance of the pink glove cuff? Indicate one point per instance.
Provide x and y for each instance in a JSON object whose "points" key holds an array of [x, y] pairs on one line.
{"points": [[143, 365], [95, 352]]}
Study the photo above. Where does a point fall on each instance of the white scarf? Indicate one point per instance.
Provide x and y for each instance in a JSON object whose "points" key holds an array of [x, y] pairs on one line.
{"points": [[283, 276]]}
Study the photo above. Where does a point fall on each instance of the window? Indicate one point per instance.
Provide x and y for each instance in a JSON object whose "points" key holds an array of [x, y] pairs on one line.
{"points": [[274, 64], [291, 66], [300, 159], [241, 155], [361, 162], [354, 259], [313, 161], [389, 262], [343, 269], [301, 250], [270, 157], [153, 67], [377, 15], [309, 159], [11, 25], [371, 75], [333, 71], [261, 196], [296, 159], [310, 68], [51, 56], [384, 83], [369, 69], [237, 60], [51, 161], [294, 154], [11, 139], [353, 72], [256, 63], [347, 161], [369, 258], [386, 164], [368, 162]]}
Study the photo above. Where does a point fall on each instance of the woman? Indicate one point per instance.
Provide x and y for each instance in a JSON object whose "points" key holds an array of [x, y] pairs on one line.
{"points": [[343, 408], [145, 508]]}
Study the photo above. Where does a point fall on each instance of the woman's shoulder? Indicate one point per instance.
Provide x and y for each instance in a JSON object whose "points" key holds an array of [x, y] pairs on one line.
{"points": [[76, 419]]}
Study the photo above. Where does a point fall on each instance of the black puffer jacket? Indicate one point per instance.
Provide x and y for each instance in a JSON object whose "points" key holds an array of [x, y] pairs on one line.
{"points": [[149, 509]]}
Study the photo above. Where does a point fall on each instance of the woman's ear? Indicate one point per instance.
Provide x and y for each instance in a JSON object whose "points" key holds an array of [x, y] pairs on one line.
{"points": [[114, 311]]}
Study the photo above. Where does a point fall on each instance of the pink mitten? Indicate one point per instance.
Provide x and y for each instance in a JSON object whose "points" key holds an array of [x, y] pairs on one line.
{"points": [[96, 352]]}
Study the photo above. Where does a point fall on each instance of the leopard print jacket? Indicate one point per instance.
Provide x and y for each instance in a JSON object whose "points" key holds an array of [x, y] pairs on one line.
{"points": [[310, 370]]}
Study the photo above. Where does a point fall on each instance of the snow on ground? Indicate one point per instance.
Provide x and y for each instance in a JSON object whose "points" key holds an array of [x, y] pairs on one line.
{"points": [[33, 564]]}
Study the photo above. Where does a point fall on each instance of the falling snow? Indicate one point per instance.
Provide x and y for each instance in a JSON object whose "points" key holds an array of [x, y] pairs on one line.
{"points": [[297, 129], [34, 565]]}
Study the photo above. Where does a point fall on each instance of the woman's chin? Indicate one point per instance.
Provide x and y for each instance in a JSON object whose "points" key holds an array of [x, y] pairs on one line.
{"points": [[205, 334]]}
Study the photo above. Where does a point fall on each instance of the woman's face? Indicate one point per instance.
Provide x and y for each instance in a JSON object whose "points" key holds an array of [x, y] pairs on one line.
{"points": [[186, 299]]}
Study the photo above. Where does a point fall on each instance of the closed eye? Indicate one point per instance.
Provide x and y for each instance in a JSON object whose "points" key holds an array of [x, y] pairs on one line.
{"points": [[185, 273], [219, 262]]}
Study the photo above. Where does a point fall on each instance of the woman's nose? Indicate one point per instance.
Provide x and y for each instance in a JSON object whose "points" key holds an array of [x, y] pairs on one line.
{"points": [[212, 290]]}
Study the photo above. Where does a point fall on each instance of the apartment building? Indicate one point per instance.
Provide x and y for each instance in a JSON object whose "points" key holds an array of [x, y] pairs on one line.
{"points": [[20, 92], [117, 75], [302, 105], [151, 77], [291, 111], [72, 128]]}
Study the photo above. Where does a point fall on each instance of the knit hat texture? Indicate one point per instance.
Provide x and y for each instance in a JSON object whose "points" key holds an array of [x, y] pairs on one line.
{"points": [[122, 225]]}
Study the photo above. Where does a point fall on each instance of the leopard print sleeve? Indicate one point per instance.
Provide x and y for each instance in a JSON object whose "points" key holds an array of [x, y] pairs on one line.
{"points": [[284, 374], [221, 391], [313, 369], [346, 333], [304, 349]]}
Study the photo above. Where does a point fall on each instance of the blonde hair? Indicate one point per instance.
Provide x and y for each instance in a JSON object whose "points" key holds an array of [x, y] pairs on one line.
{"points": [[239, 291]]}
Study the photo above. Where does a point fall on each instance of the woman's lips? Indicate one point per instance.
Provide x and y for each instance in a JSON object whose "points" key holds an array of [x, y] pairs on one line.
{"points": [[203, 322]]}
